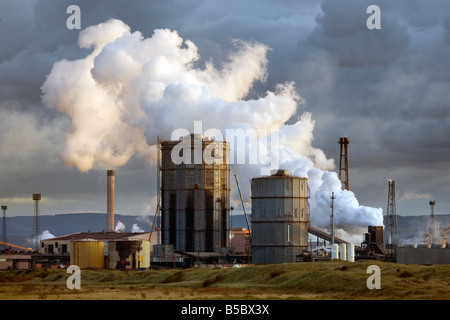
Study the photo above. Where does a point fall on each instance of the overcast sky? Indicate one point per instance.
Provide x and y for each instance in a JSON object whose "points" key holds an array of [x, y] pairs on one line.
{"points": [[388, 90]]}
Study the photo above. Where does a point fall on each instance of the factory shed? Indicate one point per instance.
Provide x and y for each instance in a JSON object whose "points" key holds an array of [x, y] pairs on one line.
{"points": [[15, 261], [423, 254], [112, 250]]}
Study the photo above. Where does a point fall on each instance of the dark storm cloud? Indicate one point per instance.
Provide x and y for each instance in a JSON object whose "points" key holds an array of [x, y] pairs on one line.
{"points": [[342, 33]]}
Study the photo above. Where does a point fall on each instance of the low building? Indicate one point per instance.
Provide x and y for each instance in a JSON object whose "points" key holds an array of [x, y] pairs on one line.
{"points": [[111, 250], [240, 240], [423, 254], [15, 261]]}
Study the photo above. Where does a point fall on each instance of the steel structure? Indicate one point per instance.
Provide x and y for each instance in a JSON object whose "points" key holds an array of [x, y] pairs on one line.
{"points": [[5, 244], [4, 236], [35, 237], [343, 162], [195, 194], [432, 203], [280, 217], [391, 215]]}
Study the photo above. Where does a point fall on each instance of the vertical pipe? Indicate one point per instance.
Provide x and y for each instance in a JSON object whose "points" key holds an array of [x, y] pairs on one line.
{"points": [[343, 251], [351, 252], [110, 200], [334, 251], [332, 217]]}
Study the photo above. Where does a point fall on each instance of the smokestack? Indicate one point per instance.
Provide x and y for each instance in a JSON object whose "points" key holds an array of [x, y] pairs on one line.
{"points": [[110, 201]]}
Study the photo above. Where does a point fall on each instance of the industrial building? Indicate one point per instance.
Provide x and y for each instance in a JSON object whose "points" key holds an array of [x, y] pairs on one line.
{"points": [[195, 194], [240, 240], [280, 217], [109, 250], [423, 254], [194, 209]]}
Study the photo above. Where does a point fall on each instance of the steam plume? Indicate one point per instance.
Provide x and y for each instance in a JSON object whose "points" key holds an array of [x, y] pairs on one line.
{"points": [[130, 89]]}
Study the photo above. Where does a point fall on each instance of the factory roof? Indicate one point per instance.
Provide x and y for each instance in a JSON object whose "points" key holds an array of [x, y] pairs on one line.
{"points": [[281, 173], [102, 236]]}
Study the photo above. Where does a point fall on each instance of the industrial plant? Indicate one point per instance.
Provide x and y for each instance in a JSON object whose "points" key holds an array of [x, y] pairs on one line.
{"points": [[191, 226]]}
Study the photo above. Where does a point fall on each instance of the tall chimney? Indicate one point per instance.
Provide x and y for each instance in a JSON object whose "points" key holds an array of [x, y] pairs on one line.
{"points": [[110, 201]]}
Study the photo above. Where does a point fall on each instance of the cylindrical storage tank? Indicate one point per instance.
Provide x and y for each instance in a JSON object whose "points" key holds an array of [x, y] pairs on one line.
{"points": [[351, 252], [334, 251], [87, 254], [343, 251], [279, 219]]}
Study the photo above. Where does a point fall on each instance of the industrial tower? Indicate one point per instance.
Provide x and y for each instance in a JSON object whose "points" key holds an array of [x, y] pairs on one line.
{"points": [[432, 203], [195, 194], [36, 233], [110, 177], [343, 163], [4, 237], [391, 215]]}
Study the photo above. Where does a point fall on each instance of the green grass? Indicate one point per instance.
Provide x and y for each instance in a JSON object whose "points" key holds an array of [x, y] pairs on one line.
{"points": [[324, 280]]}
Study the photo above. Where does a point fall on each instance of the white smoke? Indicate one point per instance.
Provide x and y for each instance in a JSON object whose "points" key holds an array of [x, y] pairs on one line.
{"points": [[135, 228], [120, 226], [46, 235], [35, 241], [130, 89]]}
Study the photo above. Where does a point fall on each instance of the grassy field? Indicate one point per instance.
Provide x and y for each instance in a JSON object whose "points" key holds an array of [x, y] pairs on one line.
{"points": [[306, 281]]}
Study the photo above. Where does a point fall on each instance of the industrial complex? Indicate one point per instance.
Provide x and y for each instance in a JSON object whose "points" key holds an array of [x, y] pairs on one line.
{"points": [[193, 227]]}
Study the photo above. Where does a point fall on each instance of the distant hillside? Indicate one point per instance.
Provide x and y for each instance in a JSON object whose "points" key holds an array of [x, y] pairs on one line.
{"points": [[19, 229]]}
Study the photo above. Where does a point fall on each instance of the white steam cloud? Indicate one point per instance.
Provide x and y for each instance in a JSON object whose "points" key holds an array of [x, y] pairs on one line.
{"points": [[120, 226], [130, 89], [43, 236], [135, 228]]}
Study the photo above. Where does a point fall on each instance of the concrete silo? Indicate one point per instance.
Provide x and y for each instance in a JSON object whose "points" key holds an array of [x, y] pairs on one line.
{"points": [[280, 217], [195, 194]]}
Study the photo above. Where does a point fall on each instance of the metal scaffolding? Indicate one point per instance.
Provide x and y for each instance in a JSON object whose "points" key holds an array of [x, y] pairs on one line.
{"points": [[391, 215], [35, 237]]}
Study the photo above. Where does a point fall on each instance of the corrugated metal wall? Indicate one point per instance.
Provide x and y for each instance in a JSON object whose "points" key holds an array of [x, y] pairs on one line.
{"points": [[280, 218]]}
